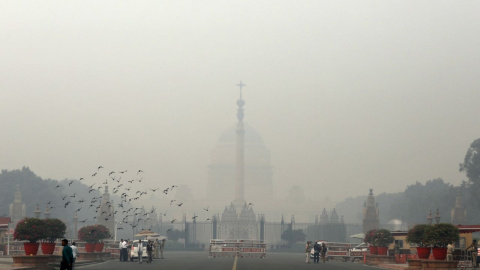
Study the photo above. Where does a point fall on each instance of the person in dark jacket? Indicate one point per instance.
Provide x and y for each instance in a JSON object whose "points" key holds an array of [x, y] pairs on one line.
{"points": [[316, 252], [67, 256], [149, 251]]}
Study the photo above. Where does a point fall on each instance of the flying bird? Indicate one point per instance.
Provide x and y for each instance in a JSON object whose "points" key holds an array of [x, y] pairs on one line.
{"points": [[94, 174], [206, 209], [71, 182], [139, 171], [99, 167]]}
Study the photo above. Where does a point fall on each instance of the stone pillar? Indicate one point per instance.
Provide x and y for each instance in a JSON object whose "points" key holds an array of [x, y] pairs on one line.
{"points": [[37, 211], [240, 157]]}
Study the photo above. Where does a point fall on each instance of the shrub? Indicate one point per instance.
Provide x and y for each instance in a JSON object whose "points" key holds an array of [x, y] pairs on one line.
{"points": [[416, 235], [369, 237], [55, 228], [30, 229], [383, 238], [440, 235], [93, 234]]}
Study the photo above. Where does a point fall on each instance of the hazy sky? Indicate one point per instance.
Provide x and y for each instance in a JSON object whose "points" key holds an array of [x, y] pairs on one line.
{"points": [[347, 95]]}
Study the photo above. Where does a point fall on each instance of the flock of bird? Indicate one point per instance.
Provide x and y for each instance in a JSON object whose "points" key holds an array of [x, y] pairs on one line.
{"points": [[127, 195]]}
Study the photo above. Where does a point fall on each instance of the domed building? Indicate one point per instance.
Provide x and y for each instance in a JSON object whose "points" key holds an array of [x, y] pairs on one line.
{"points": [[222, 168]]}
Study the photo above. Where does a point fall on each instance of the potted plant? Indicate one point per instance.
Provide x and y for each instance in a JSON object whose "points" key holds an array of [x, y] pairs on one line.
{"points": [[370, 240], [439, 236], [31, 230], [92, 235], [55, 228], [416, 235], [383, 238]]}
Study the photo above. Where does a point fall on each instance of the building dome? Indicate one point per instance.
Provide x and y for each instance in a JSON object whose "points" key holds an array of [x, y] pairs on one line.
{"points": [[251, 136], [222, 166], [256, 153]]}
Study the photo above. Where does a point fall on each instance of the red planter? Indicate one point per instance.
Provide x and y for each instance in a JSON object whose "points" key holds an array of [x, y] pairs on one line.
{"points": [[31, 248], [382, 250], [373, 250], [99, 247], [48, 248], [439, 253], [423, 252], [89, 247]]}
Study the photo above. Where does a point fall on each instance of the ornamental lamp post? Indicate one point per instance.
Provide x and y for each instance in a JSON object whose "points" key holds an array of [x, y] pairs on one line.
{"points": [[429, 217], [437, 216]]}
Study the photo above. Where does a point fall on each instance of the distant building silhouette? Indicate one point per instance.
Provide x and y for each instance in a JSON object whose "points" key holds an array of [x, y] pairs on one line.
{"points": [[18, 209], [370, 214], [459, 213]]}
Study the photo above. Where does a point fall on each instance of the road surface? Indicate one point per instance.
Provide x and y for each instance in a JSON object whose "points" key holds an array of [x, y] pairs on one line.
{"points": [[201, 261]]}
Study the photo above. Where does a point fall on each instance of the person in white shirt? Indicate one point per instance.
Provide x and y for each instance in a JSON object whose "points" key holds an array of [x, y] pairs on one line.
{"points": [[123, 251], [75, 254], [140, 251], [120, 248]]}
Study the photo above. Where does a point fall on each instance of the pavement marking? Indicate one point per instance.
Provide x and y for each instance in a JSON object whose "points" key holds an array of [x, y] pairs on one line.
{"points": [[86, 266], [235, 263]]}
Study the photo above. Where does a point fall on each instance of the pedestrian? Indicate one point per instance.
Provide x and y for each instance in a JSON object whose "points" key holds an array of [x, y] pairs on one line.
{"points": [[474, 249], [324, 251], [308, 249], [75, 253], [120, 248], [149, 250], [156, 246], [316, 252], [140, 251], [450, 250], [129, 247], [162, 247], [67, 256], [124, 251]]}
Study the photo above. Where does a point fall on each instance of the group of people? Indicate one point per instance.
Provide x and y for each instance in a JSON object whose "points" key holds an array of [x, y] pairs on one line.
{"points": [[69, 255], [319, 249], [154, 249]]}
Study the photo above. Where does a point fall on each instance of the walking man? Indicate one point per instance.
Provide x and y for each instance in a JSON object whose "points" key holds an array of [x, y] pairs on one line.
{"points": [[75, 253], [474, 248], [316, 252], [123, 251], [140, 251], [67, 256], [120, 245], [450, 250], [324, 252], [156, 246], [308, 249], [162, 246], [149, 251]]}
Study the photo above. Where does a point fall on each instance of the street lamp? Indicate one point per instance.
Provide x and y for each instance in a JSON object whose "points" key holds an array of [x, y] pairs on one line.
{"points": [[116, 228], [437, 217], [429, 217]]}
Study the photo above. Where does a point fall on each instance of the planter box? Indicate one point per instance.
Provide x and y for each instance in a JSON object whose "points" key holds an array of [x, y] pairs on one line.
{"points": [[414, 264], [37, 262], [443, 265], [379, 259], [95, 256]]}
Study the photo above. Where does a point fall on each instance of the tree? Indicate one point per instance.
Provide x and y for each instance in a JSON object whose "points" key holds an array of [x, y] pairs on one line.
{"points": [[471, 163], [293, 236], [175, 235]]}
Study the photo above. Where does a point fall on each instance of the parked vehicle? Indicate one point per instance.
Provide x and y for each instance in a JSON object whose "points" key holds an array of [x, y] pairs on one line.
{"points": [[134, 250], [358, 251]]}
